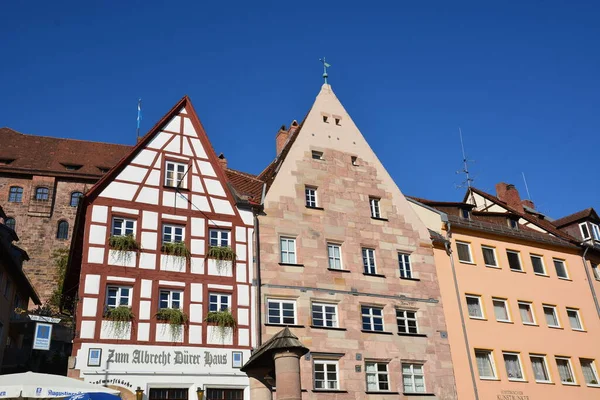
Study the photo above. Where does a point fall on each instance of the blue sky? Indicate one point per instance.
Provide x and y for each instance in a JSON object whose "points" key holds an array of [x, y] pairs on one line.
{"points": [[520, 79]]}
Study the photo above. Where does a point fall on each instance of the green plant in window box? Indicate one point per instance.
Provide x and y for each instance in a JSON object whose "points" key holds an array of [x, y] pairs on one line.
{"points": [[593, 382], [223, 320], [176, 318], [221, 254], [178, 250], [121, 317], [123, 245]]}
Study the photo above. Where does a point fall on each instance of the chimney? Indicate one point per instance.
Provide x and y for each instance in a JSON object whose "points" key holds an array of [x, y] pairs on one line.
{"points": [[280, 139], [509, 194], [528, 203], [222, 161]]}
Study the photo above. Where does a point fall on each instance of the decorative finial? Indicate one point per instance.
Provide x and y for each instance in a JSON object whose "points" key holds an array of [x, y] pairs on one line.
{"points": [[325, 66]]}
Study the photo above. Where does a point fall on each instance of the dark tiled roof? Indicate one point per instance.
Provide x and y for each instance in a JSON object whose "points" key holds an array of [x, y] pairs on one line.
{"points": [[579, 215], [433, 203], [247, 186], [23, 153]]}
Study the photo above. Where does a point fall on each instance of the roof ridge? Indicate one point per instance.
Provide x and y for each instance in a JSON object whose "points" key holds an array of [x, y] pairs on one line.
{"points": [[60, 138]]}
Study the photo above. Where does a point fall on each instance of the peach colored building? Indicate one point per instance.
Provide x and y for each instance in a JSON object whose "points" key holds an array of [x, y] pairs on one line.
{"points": [[348, 266], [522, 320]]}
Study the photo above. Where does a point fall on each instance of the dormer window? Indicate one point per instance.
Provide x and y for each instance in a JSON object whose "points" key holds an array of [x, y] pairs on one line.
{"points": [[337, 121], [585, 231], [325, 119], [103, 169], [72, 167], [596, 231], [465, 213], [6, 161], [513, 223]]}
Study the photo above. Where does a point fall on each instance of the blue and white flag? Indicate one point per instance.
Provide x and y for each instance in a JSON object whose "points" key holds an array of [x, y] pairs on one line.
{"points": [[139, 117]]}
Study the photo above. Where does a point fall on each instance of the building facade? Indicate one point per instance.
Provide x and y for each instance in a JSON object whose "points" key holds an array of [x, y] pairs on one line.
{"points": [[521, 319], [164, 268], [348, 266]]}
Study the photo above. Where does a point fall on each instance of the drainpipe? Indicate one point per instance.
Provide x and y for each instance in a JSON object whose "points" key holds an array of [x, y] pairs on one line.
{"points": [[258, 280], [589, 278], [459, 300]]}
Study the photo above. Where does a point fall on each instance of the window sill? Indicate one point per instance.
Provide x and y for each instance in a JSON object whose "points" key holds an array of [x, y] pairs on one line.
{"points": [[418, 394], [329, 328], [518, 270], [181, 189], [467, 262], [288, 325], [570, 384], [381, 392], [375, 275], [543, 275], [478, 318], [291, 265], [555, 327], [593, 385], [411, 279], [379, 219], [328, 391], [338, 270], [493, 266], [579, 330], [489, 379], [504, 321], [545, 382], [412, 334], [528, 324], [377, 332], [518, 380], [314, 208], [565, 279]]}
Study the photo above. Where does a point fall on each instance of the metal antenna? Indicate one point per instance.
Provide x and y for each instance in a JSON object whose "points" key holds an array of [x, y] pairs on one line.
{"points": [[526, 187], [465, 162]]}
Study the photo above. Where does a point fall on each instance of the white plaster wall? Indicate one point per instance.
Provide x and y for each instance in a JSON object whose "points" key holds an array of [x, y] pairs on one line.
{"points": [[108, 331], [187, 148], [247, 217], [197, 246], [196, 313], [148, 195], [200, 203], [143, 331], [243, 295], [92, 284], [97, 234], [214, 187], [159, 140], [87, 329], [119, 190], [196, 265], [132, 173], [243, 318], [240, 251], [90, 307], [144, 309], [126, 210], [240, 272], [206, 168], [172, 263], [214, 335], [243, 337], [144, 157], [196, 292], [220, 267], [175, 145], [164, 334], [96, 255], [188, 128], [147, 260], [198, 149], [196, 184], [153, 178], [197, 227], [122, 259], [195, 334], [149, 220], [240, 234], [222, 206], [99, 214], [146, 290], [174, 125], [149, 240]]}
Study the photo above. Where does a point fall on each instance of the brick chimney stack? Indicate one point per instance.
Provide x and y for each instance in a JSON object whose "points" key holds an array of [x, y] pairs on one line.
{"points": [[280, 139], [528, 203], [509, 194], [222, 161]]}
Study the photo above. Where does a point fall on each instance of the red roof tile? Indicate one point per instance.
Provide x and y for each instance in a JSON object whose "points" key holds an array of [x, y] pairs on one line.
{"points": [[579, 215]]}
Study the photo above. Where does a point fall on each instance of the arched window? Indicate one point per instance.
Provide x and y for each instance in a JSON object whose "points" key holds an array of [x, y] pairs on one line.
{"points": [[75, 196], [41, 193], [63, 230], [16, 194], [11, 223]]}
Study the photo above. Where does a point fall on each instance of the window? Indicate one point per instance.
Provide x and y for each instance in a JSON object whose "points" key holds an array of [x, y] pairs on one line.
{"points": [[324, 315], [62, 231], [574, 319], [325, 118], [590, 374], [512, 362], [334, 253], [375, 210], [464, 213], [540, 368], [407, 321], [377, 376], [41, 194], [123, 226], [118, 296], [175, 174], [288, 250], [565, 371], [353, 160], [596, 271], [173, 233], [551, 317], [180, 394], [170, 299], [485, 364], [526, 312], [596, 231], [317, 155], [561, 268], [404, 264], [501, 310], [15, 194], [7, 285], [538, 264], [372, 318], [489, 256], [326, 374], [213, 393], [474, 307], [413, 378], [337, 121], [11, 223], [464, 252], [219, 302], [75, 197], [281, 312], [369, 266], [219, 237], [514, 260], [310, 194], [513, 223], [585, 232]]}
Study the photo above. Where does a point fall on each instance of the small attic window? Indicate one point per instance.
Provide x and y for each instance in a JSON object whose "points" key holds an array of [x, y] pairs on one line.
{"points": [[337, 121], [317, 155], [354, 161], [464, 212], [72, 167], [325, 118], [103, 169], [6, 161], [513, 223]]}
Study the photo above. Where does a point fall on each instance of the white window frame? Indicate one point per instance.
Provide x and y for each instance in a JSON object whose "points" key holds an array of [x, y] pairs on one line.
{"points": [[490, 356], [378, 375], [316, 155], [596, 271], [402, 315], [326, 381], [220, 237], [331, 259], [405, 265], [541, 258], [470, 260], [375, 205], [177, 175], [518, 355], [173, 228], [367, 265], [594, 371], [518, 253], [219, 303], [310, 197], [545, 365], [372, 317], [570, 364], [564, 264], [595, 231], [555, 313], [506, 308], [479, 302], [583, 226], [289, 253], [412, 376], [530, 306], [123, 229], [119, 296], [280, 309], [170, 298], [577, 313], [334, 321], [493, 249]]}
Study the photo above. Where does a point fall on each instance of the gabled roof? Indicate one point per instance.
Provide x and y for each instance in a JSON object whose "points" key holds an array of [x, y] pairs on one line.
{"points": [[247, 186], [575, 217], [43, 155]]}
